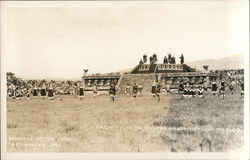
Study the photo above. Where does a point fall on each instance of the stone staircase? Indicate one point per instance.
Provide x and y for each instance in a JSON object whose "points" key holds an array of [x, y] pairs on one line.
{"points": [[145, 79]]}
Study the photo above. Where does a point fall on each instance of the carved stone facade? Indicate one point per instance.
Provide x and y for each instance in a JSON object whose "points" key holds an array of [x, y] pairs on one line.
{"points": [[146, 74]]}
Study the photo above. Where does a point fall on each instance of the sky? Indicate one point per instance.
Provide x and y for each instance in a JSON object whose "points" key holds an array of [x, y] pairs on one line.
{"points": [[60, 39]]}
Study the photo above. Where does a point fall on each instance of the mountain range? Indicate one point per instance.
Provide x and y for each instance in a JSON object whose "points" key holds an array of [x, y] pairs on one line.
{"points": [[235, 61]]}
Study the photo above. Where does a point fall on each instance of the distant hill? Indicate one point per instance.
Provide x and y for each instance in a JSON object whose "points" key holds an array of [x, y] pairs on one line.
{"points": [[231, 62], [235, 61]]}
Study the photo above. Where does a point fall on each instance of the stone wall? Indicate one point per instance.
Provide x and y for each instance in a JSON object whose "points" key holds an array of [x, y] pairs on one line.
{"points": [[145, 79]]}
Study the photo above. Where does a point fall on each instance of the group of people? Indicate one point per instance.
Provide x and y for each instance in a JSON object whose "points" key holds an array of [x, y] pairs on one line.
{"points": [[221, 89], [136, 90], [21, 89], [38, 89], [111, 91], [169, 59], [232, 81], [18, 88], [189, 91]]}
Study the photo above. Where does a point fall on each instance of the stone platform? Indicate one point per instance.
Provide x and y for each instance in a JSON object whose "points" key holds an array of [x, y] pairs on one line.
{"points": [[146, 75]]}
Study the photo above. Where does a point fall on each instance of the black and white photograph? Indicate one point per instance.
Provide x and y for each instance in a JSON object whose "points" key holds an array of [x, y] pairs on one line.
{"points": [[125, 79]]}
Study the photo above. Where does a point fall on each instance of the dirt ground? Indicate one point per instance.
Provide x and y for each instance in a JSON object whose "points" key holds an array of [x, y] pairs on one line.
{"points": [[126, 125]]}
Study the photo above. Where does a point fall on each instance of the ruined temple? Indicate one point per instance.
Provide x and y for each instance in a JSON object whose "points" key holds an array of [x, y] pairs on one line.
{"points": [[147, 74]]}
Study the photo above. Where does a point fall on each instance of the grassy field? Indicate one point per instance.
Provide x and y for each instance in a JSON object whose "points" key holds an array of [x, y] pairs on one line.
{"points": [[126, 125]]}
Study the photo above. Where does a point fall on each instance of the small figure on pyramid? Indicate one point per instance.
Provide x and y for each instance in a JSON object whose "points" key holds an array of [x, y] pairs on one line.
{"points": [[154, 58], [181, 59], [151, 60], [172, 60], [169, 58], [145, 58], [165, 60]]}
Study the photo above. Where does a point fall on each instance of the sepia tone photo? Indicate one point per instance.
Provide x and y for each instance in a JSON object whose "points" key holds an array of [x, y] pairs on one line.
{"points": [[126, 77]]}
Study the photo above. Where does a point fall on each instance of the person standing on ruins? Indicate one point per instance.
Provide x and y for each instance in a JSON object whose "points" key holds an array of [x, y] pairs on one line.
{"points": [[165, 60], [181, 59]]}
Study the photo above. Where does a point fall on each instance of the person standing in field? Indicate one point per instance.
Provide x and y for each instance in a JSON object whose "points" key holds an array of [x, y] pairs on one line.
{"points": [[75, 91], [222, 89], [43, 90], [201, 92], [127, 89], [186, 91], [140, 88], [28, 91], [112, 91], [181, 89], [158, 91], [168, 88], [232, 86], [206, 85], [192, 91], [95, 89], [153, 89], [242, 89], [35, 91], [81, 92], [51, 92], [214, 87], [18, 94], [135, 90], [11, 91]]}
